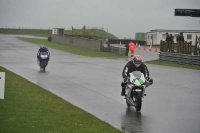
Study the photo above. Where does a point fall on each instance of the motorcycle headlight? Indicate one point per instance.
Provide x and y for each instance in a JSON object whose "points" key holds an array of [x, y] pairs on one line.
{"points": [[43, 56]]}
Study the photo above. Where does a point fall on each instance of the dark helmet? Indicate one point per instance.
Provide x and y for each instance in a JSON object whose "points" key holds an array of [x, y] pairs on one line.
{"points": [[137, 60]]}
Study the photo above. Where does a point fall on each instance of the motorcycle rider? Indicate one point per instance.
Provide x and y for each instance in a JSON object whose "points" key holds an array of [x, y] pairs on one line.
{"points": [[135, 64], [42, 49]]}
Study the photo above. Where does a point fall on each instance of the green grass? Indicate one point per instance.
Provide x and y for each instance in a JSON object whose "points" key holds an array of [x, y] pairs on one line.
{"points": [[72, 49], [156, 62], [99, 33], [29, 108]]}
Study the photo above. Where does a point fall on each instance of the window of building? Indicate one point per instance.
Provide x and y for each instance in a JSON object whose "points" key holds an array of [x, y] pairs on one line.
{"points": [[189, 36], [175, 37]]}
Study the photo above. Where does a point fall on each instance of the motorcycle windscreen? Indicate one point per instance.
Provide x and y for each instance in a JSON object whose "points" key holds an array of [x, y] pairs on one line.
{"points": [[137, 74], [139, 78]]}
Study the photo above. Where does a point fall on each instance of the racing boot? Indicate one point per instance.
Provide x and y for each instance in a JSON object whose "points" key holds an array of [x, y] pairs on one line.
{"points": [[123, 92], [38, 62]]}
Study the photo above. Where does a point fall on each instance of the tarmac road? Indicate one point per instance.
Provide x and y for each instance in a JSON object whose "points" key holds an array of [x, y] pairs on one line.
{"points": [[93, 84]]}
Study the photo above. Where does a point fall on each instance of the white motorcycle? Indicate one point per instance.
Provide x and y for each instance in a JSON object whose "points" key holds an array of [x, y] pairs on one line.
{"points": [[135, 89]]}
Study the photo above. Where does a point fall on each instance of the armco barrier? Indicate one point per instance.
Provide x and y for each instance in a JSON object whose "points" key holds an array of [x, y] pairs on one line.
{"points": [[117, 50], [179, 58]]}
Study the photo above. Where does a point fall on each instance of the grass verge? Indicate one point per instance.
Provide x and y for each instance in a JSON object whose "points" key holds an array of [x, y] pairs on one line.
{"points": [[72, 49], [156, 62], [29, 108]]}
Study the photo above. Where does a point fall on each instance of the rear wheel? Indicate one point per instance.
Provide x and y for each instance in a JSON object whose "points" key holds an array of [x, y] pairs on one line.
{"points": [[138, 101]]}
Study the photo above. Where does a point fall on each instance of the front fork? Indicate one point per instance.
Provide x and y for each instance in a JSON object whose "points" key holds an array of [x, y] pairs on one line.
{"points": [[131, 94]]}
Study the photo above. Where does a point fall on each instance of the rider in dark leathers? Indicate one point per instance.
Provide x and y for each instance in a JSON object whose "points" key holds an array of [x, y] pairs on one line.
{"points": [[42, 49], [134, 65]]}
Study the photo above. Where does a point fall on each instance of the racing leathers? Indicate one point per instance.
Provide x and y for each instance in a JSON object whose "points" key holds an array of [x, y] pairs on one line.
{"points": [[130, 67]]}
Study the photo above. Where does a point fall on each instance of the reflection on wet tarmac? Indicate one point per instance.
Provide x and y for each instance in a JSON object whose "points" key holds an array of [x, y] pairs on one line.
{"points": [[131, 121]]}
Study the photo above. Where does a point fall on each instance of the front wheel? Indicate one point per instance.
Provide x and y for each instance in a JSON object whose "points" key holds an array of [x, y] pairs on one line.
{"points": [[43, 65], [128, 105], [43, 68], [138, 101]]}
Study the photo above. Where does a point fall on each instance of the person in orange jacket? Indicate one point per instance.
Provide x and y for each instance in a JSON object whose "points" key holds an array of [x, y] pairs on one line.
{"points": [[131, 46]]}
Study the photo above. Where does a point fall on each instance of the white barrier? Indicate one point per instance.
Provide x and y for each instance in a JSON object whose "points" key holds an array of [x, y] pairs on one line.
{"points": [[2, 84]]}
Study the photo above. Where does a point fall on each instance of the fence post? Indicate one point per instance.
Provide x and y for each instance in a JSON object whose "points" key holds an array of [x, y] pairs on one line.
{"points": [[181, 47], [191, 47], [184, 47], [195, 47], [187, 48], [178, 47], [165, 44], [2, 84]]}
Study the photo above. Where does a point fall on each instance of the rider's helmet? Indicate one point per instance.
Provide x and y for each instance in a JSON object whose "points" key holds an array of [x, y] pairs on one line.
{"points": [[41, 46], [137, 60]]}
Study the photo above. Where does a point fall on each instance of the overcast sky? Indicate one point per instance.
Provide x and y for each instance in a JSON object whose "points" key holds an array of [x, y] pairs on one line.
{"points": [[123, 18]]}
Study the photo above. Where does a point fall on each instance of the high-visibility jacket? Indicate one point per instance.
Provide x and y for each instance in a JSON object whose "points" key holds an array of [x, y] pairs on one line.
{"points": [[131, 46]]}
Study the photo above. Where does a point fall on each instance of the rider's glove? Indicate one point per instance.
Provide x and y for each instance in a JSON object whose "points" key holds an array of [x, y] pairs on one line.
{"points": [[150, 80], [125, 79]]}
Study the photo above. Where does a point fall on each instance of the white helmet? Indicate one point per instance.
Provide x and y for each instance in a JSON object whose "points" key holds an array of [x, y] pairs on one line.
{"points": [[41, 46]]}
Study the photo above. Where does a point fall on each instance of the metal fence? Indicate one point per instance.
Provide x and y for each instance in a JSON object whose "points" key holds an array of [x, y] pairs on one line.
{"points": [[179, 58], [164, 56]]}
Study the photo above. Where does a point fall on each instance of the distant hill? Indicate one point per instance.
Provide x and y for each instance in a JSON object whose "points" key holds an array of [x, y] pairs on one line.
{"points": [[99, 33]]}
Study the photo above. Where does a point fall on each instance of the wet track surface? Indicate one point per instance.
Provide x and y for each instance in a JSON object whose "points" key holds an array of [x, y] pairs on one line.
{"points": [[93, 84]]}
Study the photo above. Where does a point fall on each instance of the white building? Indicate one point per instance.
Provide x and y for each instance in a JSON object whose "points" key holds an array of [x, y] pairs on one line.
{"points": [[154, 36], [58, 31]]}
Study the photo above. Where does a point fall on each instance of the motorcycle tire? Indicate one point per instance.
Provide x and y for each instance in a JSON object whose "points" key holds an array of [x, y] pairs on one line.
{"points": [[138, 101], [128, 105]]}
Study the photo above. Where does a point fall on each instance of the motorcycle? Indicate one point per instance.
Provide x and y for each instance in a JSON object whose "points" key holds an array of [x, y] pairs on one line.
{"points": [[44, 58], [135, 89]]}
